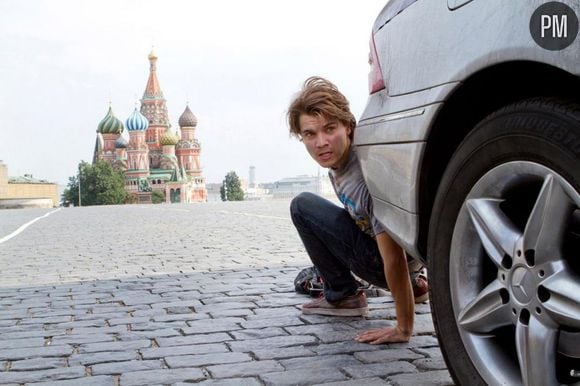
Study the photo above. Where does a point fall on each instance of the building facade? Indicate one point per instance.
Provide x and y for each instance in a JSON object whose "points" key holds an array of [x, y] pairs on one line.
{"points": [[154, 158], [26, 191], [292, 186]]}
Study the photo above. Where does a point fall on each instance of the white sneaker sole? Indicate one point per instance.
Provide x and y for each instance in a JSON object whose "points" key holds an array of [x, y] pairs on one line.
{"points": [[422, 299]]}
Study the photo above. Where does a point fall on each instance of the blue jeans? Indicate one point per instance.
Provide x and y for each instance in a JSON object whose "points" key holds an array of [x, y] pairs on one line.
{"points": [[336, 246]]}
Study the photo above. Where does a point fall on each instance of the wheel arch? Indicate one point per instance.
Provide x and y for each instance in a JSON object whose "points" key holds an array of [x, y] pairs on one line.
{"points": [[475, 98]]}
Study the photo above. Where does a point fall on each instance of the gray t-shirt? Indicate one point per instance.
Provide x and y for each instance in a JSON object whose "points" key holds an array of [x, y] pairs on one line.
{"points": [[352, 191]]}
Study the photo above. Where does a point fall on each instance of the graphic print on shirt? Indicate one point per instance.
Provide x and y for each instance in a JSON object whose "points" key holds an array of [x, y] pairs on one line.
{"points": [[361, 221]]}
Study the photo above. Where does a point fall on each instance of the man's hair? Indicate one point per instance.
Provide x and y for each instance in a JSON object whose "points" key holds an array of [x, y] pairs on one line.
{"points": [[320, 97]]}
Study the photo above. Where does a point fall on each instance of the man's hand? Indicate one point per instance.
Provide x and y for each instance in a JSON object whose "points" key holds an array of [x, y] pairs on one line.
{"points": [[397, 275], [383, 335]]}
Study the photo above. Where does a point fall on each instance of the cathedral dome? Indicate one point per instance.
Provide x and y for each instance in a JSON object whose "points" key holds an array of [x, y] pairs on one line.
{"points": [[169, 138], [110, 124], [137, 121], [121, 142], [187, 119]]}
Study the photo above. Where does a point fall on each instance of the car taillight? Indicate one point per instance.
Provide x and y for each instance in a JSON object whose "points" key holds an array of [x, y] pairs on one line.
{"points": [[376, 81]]}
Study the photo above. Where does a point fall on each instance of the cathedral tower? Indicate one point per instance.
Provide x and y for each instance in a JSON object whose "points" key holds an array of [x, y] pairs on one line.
{"points": [[108, 130], [137, 157], [154, 108], [188, 151]]}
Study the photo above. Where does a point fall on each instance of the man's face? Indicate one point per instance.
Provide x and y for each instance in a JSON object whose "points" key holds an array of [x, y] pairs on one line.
{"points": [[327, 141]]}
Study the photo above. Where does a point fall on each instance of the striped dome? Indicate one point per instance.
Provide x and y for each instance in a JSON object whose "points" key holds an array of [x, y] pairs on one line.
{"points": [[187, 119], [137, 121], [110, 124], [169, 138]]}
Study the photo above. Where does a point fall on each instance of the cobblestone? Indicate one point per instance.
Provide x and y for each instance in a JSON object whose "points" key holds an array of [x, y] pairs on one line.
{"points": [[244, 369], [20, 343], [35, 352], [321, 362], [164, 376], [283, 341], [213, 325], [114, 346], [125, 367], [435, 378], [206, 359], [174, 294], [357, 382], [37, 364], [43, 375], [283, 353], [87, 381], [102, 357], [386, 355], [163, 352], [226, 382], [302, 377], [194, 339], [379, 369]]}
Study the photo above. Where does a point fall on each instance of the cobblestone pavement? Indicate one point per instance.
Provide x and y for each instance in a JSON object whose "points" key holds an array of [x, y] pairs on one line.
{"points": [[179, 294]]}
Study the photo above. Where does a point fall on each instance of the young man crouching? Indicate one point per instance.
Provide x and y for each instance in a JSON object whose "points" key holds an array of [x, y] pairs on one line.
{"points": [[350, 240]]}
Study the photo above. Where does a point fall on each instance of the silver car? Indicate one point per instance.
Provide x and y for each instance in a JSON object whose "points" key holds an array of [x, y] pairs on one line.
{"points": [[470, 145]]}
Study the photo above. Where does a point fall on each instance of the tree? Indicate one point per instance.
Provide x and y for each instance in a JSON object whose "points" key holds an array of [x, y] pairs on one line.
{"points": [[100, 185], [231, 189], [157, 197], [223, 192]]}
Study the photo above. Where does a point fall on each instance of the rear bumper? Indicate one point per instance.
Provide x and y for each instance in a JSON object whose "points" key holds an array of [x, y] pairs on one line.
{"points": [[391, 173]]}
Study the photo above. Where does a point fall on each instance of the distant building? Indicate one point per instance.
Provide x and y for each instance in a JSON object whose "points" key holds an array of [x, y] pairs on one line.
{"points": [[292, 186], [252, 177], [26, 191], [154, 158], [213, 191], [286, 188]]}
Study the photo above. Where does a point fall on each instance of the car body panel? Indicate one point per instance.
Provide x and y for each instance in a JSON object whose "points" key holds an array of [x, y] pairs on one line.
{"points": [[392, 168], [479, 34], [454, 4]]}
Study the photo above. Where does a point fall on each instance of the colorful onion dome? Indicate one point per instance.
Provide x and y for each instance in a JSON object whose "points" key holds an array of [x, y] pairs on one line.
{"points": [[110, 124], [137, 121], [169, 138], [187, 119], [121, 142]]}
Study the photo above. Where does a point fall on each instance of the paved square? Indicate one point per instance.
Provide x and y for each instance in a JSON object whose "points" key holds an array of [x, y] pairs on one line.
{"points": [[175, 294]]}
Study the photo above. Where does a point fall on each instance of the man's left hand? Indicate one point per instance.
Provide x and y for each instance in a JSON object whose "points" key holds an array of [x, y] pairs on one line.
{"points": [[383, 335]]}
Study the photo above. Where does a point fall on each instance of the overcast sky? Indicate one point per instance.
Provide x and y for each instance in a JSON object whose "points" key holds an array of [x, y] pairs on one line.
{"points": [[238, 63]]}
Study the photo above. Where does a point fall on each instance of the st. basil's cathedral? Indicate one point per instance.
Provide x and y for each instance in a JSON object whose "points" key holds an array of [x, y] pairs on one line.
{"points": [[154, 158]]}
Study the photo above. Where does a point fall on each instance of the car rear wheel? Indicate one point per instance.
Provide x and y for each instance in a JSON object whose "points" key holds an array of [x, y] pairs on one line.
{"points": [[504, 249]]}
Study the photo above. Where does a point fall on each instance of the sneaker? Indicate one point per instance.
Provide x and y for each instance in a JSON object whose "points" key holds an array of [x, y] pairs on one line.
{"points": [[420, 287], [354, 305]]}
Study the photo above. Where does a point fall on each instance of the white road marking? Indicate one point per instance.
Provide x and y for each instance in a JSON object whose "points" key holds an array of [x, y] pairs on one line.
{"points": [[23, 227]]}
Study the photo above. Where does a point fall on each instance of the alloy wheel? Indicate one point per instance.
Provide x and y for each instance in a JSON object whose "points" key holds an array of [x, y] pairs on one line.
{"points": [[515, 283]]}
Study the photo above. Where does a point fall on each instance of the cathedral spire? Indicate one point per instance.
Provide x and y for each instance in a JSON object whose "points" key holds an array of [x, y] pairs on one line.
{"points": [[153, 89], [153, 104]]}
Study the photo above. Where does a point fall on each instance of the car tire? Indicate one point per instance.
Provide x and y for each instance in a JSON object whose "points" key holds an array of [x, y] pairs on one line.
{"points": [[490, 310]]}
